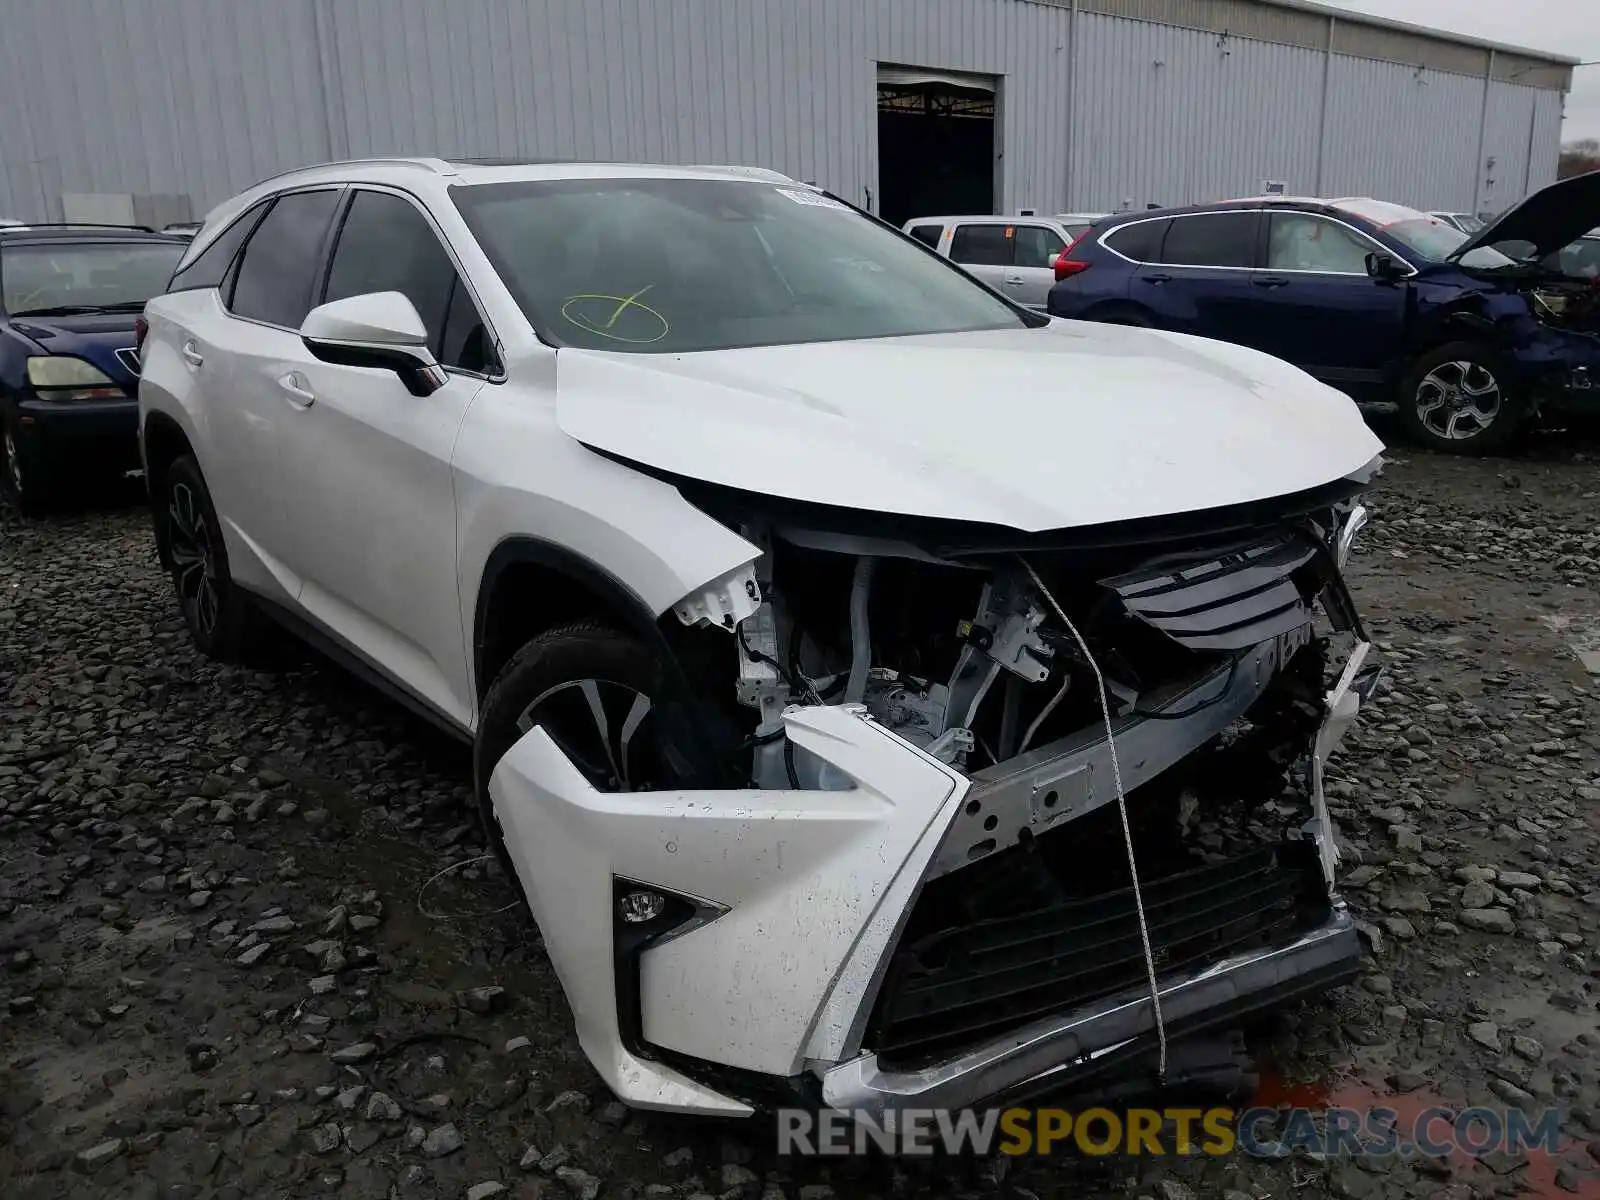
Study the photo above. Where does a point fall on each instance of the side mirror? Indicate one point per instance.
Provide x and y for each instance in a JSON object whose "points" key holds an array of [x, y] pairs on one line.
{"points": [[1383, 266], [376, 329]]}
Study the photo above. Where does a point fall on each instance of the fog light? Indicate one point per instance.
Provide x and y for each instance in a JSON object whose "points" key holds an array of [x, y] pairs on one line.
{"points": [[636, 908]]}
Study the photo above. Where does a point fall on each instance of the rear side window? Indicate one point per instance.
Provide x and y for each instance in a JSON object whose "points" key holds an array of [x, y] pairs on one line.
{"points": [[1037, 246], [981, 245], [211, 267], [928, 234], [279, 262], [1211, 240], [1140, 241]]}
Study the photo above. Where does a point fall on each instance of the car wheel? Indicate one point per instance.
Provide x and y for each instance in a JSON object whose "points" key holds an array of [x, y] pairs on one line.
{"points": [[596, 692], [1456, 400], [220, 616], [27, 476]]}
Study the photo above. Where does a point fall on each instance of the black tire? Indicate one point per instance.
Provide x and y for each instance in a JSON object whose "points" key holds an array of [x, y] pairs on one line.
{"points": [[27, 476], [223, 621], [549, 674], [1455, 400]]}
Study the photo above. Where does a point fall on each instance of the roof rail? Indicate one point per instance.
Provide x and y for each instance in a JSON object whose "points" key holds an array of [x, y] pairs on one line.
{"points": [[24, 226], [437, 166]]}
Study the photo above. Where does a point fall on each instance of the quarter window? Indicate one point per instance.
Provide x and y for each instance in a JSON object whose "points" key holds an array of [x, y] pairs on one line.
{"points": [[981, 246], [279, 262], [1303, 242], [1226, 239], [210, 268], [928, 234]]}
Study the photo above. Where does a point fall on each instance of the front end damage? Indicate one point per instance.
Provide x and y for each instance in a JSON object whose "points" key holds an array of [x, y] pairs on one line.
{"points": [[912, 887]]}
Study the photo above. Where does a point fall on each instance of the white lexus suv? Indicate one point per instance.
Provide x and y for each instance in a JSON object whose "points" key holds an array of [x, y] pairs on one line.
{"points": [[884, 696]]}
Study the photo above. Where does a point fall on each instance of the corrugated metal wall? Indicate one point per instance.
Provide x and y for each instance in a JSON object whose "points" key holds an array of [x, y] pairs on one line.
{"points": [[205, 97], [1177, 116]]}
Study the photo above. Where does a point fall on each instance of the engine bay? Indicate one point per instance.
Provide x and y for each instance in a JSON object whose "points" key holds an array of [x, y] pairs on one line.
{"points": [[1000, 661]]}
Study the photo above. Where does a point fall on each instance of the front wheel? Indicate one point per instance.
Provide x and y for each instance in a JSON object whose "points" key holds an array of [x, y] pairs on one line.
{"points": [[27, 475], [1456, 400], [597, 693]]}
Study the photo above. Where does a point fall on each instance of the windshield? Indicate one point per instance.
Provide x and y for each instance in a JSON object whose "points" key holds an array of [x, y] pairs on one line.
{"points": [[1434, 239], [680, 265], [84, 275], [1469, 222]]}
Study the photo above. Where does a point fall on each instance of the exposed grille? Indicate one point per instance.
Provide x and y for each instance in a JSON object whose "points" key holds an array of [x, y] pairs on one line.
{"points": [[129, 357], [953, 989], [1230, 601]]}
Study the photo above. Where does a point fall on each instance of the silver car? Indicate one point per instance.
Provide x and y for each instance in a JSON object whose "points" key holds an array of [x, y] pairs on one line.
{"points": [[1014, 255]]}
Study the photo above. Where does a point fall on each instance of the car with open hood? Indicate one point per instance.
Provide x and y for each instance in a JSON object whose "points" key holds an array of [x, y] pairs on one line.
{"points": [[70, 296], [1471, 335], [845, 648]]}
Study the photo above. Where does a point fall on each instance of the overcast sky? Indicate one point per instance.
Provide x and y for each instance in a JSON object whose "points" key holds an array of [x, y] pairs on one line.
{"points": [[1567, 27]]}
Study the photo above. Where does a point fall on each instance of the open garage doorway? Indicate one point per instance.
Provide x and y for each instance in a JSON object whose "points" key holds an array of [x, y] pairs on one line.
{"points": [[936, 143]]}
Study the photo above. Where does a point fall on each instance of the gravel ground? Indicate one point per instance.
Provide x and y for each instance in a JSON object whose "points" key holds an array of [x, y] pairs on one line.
{"points": [[229, 969]]}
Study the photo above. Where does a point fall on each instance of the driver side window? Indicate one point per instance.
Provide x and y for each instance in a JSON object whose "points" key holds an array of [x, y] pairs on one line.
{"points": [[1303, 242], [386, 245]]}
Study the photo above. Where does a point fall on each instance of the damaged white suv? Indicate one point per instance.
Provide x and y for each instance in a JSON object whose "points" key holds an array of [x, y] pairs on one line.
{"points": [[885, 696]]}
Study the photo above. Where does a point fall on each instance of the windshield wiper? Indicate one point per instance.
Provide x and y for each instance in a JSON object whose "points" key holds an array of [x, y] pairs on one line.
{"points": [[78, 310]]}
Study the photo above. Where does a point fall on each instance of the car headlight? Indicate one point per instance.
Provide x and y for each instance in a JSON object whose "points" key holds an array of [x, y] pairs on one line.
{"points": [[70, 378]]}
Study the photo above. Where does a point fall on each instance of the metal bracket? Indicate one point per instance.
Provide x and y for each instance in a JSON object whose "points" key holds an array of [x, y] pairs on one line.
{"points": [[725, 601]]}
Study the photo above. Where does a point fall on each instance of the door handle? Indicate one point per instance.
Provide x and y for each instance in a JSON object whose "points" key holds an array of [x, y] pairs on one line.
{"points": [[1270, 281], [1015, 279], [192, 356], [297, 390], [1157, 278]]}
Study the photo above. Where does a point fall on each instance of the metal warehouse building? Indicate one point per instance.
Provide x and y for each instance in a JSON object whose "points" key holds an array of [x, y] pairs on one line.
{"points": [[978, 105]]}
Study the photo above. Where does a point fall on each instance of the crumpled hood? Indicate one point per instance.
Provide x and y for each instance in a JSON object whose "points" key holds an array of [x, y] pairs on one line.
{"points": [[1076, 424], [93, 336], [1550, 218]]}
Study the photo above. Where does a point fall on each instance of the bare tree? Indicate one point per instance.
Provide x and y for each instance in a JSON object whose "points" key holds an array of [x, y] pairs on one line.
{"points": [[1578, 157]]}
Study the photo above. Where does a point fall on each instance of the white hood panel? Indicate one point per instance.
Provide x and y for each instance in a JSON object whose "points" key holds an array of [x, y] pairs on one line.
{"points": [[1035, 429]]}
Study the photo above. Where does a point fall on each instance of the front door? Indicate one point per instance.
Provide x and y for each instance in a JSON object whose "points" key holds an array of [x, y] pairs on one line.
{"points": [[1034, 250], [1317, 307]]}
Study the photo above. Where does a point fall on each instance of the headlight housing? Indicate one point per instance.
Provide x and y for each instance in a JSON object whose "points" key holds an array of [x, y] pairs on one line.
{"points": [[64, 377]]}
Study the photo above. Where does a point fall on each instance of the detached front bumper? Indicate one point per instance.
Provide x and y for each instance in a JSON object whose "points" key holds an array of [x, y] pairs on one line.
{"points": [[768, 986]]}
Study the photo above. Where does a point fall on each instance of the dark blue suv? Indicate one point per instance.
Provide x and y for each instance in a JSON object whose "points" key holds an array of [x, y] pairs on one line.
{"points": [[70, 296], [1468, 335]]}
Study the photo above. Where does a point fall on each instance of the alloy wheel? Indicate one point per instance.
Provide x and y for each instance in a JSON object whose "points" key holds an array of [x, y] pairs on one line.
{"points": [[190, 543], [1458, 400], [606, 730]]}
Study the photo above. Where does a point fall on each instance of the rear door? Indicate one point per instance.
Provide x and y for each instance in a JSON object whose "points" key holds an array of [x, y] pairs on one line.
{"points": [[1034, 250], [1199, 282], [1316, 306], [366, 465], [237, 307], [984, 249]]}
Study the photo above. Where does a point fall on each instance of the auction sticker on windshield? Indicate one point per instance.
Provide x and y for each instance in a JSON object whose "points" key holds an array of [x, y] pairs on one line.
{"points": [[814, 199]]}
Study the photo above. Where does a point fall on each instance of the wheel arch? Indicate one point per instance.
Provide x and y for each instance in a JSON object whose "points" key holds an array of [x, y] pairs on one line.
{"points": [[162, 441], [530, 586]]}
